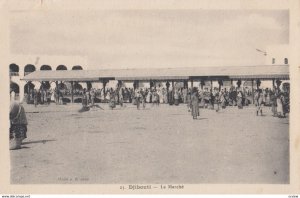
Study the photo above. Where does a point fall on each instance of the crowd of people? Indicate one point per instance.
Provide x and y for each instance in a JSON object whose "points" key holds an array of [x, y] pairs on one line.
{"points": [[216, 99]]}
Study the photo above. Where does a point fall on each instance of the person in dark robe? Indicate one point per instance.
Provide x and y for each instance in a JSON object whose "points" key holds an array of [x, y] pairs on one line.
{"points": [[35, 97], [195, 103], [112, 100], [170, 97], [189, 100], [60, 97], [143, 98], [84, 99], [18, 125]]}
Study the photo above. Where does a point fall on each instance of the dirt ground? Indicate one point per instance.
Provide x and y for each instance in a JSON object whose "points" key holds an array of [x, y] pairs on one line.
{"points": [[156, 145]]}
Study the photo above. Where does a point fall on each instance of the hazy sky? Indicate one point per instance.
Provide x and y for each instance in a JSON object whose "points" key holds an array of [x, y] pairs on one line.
{"points": [[150, 38]]}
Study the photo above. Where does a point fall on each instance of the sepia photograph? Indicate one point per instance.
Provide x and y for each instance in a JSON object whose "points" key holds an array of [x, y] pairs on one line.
{"points": [[149, 98]]}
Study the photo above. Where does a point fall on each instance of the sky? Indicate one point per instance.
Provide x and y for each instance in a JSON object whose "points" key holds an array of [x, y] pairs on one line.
{"points": [[150, 38]]}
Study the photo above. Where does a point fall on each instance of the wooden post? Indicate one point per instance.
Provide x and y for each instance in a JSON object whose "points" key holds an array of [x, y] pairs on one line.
{"points": [[72, 94], [192, 83], [104, 85], [56, 83], [252, 91], [211, 85], [173, 85], [173, 90], [28, 90]]}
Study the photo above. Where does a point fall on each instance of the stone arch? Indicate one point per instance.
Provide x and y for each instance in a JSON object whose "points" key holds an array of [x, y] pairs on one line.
{"points": [[77, 86], [45, 67], [28, 69], [14, 87], [77, 67], [61, 67], [28, 86], [13, 67]]}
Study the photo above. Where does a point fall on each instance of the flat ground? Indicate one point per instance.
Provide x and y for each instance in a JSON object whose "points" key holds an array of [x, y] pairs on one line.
{"points": [[156, 145]]}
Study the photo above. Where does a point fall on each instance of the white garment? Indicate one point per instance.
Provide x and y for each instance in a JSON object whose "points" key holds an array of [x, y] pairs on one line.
{"points": [[279, 107], [12, 95]]}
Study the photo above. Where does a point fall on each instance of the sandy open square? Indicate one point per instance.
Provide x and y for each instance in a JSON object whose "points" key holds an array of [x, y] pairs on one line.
{"points": [[156, 145]]}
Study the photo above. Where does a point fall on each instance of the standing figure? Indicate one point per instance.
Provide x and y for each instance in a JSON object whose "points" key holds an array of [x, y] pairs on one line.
{"points": [[60, 97], [258, 98], [121, 98], [87, 98], [84, 99], [137, 97], [273, 103], [189, 100], [222, 99], [170, 97], [143, 98], [217, 100], [155, 97], [93, 96], [184, 95], [148, 96], [165, 95], [18, 125], [112, 100], [240, 100], [35, 97], [56, 95], [49, 94], [176, 98], [42, 93], [195, 104], [280, 104]]}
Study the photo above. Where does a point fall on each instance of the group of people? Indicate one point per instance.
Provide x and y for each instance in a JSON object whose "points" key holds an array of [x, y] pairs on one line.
{"points": [[277, 99], [215, 99], [195, 99], [44, 96]]}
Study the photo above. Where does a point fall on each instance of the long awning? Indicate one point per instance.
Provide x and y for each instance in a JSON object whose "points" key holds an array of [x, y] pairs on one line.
{"points": [[263, 72]]}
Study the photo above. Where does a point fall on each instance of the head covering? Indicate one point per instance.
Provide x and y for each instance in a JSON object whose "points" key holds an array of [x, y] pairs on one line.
{"points": [[17, 114]]}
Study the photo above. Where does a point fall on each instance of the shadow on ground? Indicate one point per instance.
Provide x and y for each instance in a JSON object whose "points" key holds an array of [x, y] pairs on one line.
{"points": [[38, 141]]}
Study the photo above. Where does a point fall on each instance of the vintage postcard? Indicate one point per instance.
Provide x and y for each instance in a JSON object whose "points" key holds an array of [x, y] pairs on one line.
{"points": [[150, 97]]}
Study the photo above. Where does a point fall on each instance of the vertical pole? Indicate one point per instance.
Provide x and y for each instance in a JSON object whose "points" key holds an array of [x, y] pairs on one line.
{"points": [[192, 83], [104, 85], [56, 83], [72, 94], [252, 91], [211, 85], [273, 83], [173, 90], [28, 87]]}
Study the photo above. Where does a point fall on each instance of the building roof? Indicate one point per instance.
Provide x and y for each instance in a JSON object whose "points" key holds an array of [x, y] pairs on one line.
{"points": [[213, 73]]}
